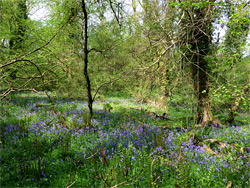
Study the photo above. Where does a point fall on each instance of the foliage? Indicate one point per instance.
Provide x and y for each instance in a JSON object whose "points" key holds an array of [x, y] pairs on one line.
{"points": [[155, 68]]}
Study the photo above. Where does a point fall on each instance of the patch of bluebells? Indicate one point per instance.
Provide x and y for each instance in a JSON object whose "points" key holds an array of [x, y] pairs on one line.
{"points": [[232, 134], [129, 135], [140, 137]]}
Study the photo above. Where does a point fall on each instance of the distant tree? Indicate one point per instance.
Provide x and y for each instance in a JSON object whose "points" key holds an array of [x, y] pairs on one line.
{"points": [[18, 29]]}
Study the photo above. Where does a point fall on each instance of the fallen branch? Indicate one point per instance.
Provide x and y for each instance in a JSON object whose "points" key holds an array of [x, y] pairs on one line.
{"points": [[131, 179], [71, 184], [163, 116], [230, 183], [171, 128], [153, 182], [156, 115]]}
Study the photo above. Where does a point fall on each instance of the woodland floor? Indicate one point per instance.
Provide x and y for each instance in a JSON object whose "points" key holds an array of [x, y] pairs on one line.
{"points": [[125, 145]]}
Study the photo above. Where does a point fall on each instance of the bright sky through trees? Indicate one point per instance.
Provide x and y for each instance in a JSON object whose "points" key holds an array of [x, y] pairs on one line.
{"points": [[41, 13]]}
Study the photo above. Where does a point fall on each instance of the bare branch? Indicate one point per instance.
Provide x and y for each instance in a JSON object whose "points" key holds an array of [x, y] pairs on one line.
{"points": [[116, 17], [189, 15], [72, 184], [8, 91], [246, 5], [159, 58], [103, 85]]}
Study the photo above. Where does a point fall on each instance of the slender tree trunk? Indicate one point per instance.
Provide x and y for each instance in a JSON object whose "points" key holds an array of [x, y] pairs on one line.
{"points": [[233, 112], [86, 52]]}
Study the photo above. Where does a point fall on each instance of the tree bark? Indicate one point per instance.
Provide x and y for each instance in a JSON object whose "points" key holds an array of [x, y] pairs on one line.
{"points": [[86, 52]]}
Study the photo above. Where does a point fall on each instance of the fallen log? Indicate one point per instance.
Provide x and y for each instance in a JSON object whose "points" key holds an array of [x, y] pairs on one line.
{"points": [[163, 116], [222, 145]]}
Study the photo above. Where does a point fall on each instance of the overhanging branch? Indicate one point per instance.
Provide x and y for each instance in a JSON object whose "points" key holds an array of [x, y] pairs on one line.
{"points": [[31, 52]]}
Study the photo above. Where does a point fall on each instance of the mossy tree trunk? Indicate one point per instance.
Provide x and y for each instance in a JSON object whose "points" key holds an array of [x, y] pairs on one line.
{"points": [[199, 33]]}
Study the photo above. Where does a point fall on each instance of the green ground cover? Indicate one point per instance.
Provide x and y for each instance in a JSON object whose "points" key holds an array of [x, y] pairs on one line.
{"points": [[45, 145]]}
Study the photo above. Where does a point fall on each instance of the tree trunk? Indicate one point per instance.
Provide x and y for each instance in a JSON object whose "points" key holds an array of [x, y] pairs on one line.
{"points": [[86, 52], [199, 42], [233, 112], [16, 41], [201, 86]]}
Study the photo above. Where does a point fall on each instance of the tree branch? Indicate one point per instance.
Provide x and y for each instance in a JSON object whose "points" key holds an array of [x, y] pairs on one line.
{"points": [[112, 8], [103, 85], [159, 58], [31, 52]]}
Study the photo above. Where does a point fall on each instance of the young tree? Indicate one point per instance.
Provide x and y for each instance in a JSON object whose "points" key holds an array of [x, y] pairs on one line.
{"points": [[86, 58], [82, 34], [235, 45]]}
